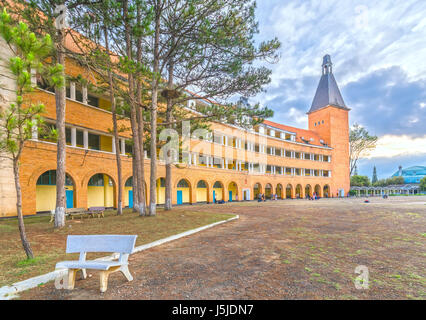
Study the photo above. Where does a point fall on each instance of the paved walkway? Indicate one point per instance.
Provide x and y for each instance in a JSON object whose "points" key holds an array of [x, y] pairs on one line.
{"points": [[276, 250]]}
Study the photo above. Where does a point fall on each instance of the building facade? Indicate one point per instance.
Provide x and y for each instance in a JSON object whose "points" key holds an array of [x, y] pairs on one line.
{"points": [[412, 174], [228, 163]]}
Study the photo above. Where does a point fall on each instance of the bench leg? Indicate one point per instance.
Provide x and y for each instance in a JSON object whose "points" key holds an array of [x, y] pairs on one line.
{"points": [[84, 273], [71, 278], [126, 273], [104, 278], [51, 218]]}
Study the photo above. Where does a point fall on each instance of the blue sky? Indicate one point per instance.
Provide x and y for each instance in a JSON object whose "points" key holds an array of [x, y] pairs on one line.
{"points": [[378, 49]]}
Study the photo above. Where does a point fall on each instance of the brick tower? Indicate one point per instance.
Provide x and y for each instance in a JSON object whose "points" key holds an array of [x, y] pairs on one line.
{"points": [[328, 117]]}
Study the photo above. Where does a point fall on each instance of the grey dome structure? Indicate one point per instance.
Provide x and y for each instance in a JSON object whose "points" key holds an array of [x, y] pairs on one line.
{"points": [[328, 93]]}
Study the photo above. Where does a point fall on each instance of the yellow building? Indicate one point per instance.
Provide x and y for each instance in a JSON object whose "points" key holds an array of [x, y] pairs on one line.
{"points": [[229, 163]]}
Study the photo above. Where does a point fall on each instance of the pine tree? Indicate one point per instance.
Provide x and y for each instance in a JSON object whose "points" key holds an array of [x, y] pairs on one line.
{"points": [[18, 121], [374, 179]]}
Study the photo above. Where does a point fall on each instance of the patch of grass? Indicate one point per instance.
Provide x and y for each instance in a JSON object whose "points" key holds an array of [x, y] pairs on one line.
{"points": [[29, 262], [308, 269], [6, 228], [396, 276]]}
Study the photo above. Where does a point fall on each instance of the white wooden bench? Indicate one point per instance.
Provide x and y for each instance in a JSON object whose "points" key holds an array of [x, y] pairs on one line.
{"points": [[122, 244]]}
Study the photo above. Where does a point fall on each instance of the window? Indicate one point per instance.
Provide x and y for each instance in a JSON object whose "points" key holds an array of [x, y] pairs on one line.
{"points": [[93, 101], [129, 182], [161, 183], [94, 141], [201, 184], [97, 180], [49, 178], [183, 184], [217, 184], [78, 95], [298, 155], [297, 171], [217, 139], [217, 162], [128, 147], [288, 153], [80, 138], [43, 84], [46, 132], [68, 136]]}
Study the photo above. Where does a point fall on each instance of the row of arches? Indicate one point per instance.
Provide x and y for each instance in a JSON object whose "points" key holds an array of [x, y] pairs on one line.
{"points": [[290, 191], [100, 190]]}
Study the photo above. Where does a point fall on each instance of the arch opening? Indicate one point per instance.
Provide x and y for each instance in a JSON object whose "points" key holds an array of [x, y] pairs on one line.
{"points": [[326, 191], [128, 193], [46, 191], [279, 191], [232, 191], [289, 191], [299, 194], [183, 192], [161, 190], [257, 190], [308, 191], [317, 191], [218, 192], [268, 191], [202, 191], [101, 191]]}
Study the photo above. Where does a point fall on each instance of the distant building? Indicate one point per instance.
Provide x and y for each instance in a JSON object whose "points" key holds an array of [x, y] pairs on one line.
{"points": [[412, 174]]}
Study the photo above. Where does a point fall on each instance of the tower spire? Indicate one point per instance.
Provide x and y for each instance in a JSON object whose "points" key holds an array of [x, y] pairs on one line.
{"points": [[327, 65], [328, 93]]}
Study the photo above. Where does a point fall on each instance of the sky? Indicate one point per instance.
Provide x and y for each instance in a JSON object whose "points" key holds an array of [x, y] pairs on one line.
{"points": [[378, 50]]}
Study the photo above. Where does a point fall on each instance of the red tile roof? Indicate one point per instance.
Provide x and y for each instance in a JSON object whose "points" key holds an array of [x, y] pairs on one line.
{"points": [[306, 134]]}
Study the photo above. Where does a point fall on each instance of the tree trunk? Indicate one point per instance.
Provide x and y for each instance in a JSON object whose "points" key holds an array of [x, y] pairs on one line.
{"points": [[154, 97], [140, 124], [169, 157], [134, 183], [133, 116], [25, 243], [61, 144], [142, 200], [116, 137]]}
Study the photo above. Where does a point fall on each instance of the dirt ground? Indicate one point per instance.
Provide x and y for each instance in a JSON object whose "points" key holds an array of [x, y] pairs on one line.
{"points": [[290, 249]]}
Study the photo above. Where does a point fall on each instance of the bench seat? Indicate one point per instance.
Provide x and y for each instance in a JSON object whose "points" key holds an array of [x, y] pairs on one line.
{"points": [[83, 244], [93, 264]]}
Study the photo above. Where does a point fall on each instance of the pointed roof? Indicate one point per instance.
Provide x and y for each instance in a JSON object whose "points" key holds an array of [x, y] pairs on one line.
{"points": [[328, 93]]}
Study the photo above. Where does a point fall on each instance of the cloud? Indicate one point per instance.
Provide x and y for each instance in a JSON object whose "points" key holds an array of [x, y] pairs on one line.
{"points": [[387, 102], [390, 146], [376, 47]]}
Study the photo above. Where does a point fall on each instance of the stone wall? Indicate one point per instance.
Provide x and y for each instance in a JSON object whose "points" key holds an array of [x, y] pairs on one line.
{"points": [[7, 94]]}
